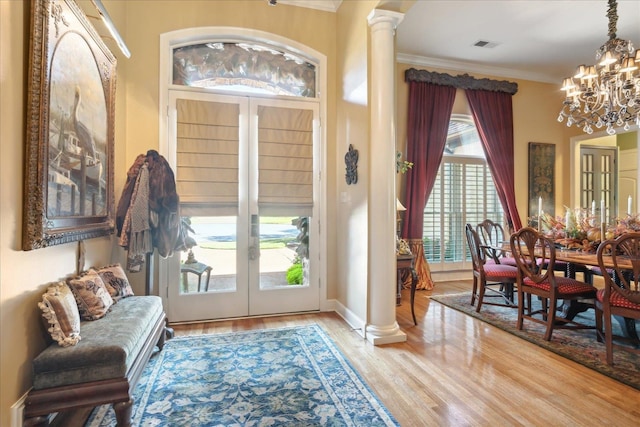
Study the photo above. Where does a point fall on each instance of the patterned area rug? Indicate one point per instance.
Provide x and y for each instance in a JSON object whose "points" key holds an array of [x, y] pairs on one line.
{"points": [[578, 345], [274, 377]]}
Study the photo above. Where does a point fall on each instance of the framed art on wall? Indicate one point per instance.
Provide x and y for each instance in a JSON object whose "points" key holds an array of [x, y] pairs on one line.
{"points": [[542, 160], [68, 191]]}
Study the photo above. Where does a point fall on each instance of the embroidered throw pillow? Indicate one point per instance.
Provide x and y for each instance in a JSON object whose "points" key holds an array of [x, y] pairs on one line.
{"points": [[91, 295], [116, 281], [61, 312]]}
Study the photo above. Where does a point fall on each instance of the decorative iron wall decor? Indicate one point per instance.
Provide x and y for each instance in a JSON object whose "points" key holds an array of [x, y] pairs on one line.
{"points": [[351, 162], [542, 160], [68, 191]]}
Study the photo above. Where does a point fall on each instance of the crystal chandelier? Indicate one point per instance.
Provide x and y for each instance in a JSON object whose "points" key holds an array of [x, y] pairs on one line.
{"points": [[608, 93]]}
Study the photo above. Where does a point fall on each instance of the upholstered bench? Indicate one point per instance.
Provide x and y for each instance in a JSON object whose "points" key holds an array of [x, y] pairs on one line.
{"points": [[101, 368]]}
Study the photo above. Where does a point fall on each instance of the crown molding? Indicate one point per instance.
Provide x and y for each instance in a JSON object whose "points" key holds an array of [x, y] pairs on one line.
{"points": [[470, 67], [326, 5]]}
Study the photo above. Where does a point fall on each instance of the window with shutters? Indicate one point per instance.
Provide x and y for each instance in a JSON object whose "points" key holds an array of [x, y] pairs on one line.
{"points": [[463, 193]]}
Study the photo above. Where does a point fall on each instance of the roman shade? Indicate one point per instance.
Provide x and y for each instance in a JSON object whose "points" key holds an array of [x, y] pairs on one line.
{"points": [[285, 161], [207, 156]]}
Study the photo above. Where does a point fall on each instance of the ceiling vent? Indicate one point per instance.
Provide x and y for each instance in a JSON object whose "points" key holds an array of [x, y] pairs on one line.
{"points": [[486, 44]]}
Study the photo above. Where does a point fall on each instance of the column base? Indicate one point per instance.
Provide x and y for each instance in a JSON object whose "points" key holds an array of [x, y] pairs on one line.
{"points": [[378, 335]]}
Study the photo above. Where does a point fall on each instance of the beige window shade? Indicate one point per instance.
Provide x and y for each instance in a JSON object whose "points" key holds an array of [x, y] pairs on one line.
{"points": [[207, 156], [285, 161]]}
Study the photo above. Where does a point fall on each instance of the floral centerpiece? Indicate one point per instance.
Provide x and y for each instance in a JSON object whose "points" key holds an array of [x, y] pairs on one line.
{"points": [[579, 230]]}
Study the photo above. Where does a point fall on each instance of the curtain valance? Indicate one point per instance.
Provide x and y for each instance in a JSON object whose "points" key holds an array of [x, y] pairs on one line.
{"points": [[464, 81]]}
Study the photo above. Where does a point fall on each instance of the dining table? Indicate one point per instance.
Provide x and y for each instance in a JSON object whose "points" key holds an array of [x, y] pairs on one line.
{"points": [[585, 262]]}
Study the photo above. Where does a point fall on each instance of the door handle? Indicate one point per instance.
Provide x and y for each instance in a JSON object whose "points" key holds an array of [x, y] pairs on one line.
{"points": [[254, 249], [254, 252]]}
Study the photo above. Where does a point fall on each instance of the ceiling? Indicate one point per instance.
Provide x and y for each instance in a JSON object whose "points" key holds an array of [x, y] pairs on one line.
{"points": [[540, 40]]}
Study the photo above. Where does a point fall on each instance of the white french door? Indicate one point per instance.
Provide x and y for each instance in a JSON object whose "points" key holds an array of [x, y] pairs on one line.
{"points": [[598, 179], [246, 172]]}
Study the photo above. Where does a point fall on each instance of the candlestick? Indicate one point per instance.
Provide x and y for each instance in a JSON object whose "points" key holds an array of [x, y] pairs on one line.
{"points": [[629, 205], [539, 214], [602, 212]]}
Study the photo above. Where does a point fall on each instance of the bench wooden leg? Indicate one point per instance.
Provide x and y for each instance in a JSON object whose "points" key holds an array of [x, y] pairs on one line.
{"points": [[123, 413]]}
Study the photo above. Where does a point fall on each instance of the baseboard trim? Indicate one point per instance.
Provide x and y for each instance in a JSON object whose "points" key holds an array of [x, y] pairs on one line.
{"points": [[356, 323]]}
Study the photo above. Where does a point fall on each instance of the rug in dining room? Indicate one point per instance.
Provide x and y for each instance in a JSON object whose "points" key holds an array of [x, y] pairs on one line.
{"points": [[578, 345], [271, 377]]}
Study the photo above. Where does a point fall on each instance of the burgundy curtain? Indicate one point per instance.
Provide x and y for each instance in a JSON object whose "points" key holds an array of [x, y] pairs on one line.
{"points": [[430, 107], [493, 115]]}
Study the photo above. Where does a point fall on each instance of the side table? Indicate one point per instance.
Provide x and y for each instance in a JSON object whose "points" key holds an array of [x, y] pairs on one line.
{"points": [[406, 262], [198, 269]]}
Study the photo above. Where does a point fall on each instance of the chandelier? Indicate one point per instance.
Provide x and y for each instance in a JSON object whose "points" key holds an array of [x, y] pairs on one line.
{"points": [[608, 93]]}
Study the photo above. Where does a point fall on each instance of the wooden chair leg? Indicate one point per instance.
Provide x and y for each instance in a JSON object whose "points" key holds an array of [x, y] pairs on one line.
{"points": [[475, 290], [481, 296], [608, 337], [551, 317], [599, 331], [521, 304]]}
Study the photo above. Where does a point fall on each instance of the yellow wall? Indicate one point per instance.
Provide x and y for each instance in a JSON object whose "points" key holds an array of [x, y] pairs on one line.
{"points": [[24, 274], [351, 228], [343, 37]]}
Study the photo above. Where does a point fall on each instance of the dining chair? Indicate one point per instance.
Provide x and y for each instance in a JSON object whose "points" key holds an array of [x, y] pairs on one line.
{"points": [[498, 279], [621, 293], [492, 238], [536, 256]]}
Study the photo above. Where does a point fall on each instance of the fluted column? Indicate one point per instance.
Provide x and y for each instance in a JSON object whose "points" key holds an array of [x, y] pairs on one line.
{"points": [[382, 327]]}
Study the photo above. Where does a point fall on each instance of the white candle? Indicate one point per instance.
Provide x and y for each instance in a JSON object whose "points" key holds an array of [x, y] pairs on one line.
{"points": [[539, 207], [602, 211], [593, 207], [629, 205], [567, 219]]}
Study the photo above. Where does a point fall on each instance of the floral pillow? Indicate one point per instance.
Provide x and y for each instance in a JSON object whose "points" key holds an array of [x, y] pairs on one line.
{"points": [[116, 281], [91, 294], [61, 312]]}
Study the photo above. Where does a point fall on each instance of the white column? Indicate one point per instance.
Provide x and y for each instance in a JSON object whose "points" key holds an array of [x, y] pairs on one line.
{"points": [[382, 327]]}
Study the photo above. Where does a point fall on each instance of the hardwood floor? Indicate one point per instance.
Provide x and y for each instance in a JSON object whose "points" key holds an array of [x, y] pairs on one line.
{"points": [[454, 370]]}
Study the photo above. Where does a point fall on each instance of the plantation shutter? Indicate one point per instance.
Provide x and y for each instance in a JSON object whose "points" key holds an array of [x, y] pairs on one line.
{"points": [[207, 156], [285, 161]]}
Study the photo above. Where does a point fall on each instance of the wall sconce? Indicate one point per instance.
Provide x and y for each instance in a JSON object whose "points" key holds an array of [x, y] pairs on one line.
{"points": [[106, 19]]}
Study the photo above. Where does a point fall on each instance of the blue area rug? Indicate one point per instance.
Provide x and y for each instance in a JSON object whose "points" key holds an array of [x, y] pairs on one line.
{"points": [[272, 377]]}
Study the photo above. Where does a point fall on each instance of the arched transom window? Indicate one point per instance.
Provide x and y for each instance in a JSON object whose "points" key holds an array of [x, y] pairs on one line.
{"points": [[248, 67]]}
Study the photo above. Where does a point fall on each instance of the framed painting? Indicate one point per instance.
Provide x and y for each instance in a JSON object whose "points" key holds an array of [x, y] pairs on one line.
{"points": [[542, 163], [68, 191]]}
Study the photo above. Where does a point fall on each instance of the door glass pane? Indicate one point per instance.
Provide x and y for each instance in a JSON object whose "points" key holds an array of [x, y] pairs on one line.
{"points": [[210, 266], [283, 251]]}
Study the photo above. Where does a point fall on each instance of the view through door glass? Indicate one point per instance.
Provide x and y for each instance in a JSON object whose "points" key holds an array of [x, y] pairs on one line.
{"points": [[210, 266]]}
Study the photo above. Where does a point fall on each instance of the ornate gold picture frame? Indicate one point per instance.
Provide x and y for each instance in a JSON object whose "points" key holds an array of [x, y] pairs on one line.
{"points": [[68, 191]]}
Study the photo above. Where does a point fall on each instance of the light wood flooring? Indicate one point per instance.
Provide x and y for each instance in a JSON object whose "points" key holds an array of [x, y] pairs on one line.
{"points": [[454, 370]]}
